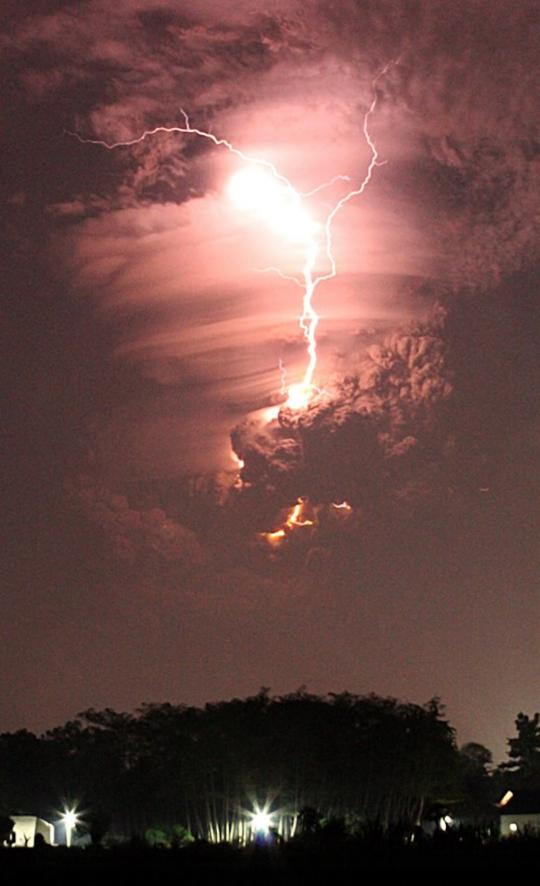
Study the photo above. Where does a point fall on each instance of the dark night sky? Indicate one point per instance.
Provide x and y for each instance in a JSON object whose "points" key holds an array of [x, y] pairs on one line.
{"points": [[139, 339]]}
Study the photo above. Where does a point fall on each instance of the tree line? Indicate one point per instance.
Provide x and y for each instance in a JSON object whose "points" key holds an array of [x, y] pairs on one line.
{"points": [[204, 771]]}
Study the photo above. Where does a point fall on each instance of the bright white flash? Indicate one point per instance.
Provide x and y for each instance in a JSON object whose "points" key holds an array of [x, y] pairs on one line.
{"points": [[259, 188], [299, 395], [253, 188], [258, 192], [261, 822], [70, 819]]}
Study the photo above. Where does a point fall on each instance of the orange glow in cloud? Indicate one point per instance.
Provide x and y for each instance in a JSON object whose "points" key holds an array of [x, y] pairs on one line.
{"points": [[342, 506], [295, 518]]}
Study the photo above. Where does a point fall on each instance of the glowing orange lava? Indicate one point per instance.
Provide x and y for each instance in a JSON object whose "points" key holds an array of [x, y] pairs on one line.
{"points": [[342, 506], [295, 517], [274, 538]]}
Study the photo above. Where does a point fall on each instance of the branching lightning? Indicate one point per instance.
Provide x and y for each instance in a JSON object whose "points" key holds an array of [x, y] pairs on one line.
{"points": [[286, 211], [262, 189]]}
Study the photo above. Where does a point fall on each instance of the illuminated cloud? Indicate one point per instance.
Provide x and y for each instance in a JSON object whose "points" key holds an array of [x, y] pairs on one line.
{"points": [[345, 445], [134, 534], [156, 240], [162, 246], [138, 333]]}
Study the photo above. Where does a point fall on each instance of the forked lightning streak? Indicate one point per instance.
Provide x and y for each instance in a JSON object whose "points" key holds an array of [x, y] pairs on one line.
{"points": [[261, 188]]}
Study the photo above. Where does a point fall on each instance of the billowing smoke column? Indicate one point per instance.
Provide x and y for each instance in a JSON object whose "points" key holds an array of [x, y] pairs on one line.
{"points": [[260, 189], [369, 439]]}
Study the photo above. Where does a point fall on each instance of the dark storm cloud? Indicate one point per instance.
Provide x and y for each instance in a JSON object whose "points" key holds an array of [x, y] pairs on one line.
{"points": [[152, 338], [457, 117], [462, 94], [138, 60], [366, 436], [464, 85], [437, 423], [135, 535], [112, 72]]}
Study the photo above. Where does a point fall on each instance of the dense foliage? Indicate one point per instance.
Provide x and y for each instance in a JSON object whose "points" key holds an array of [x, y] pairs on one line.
{"points": [[359, 758], [169, 771], [523, 766]]}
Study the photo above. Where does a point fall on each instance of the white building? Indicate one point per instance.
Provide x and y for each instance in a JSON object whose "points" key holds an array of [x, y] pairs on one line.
{"points": [[520, 813], [27, 827]]}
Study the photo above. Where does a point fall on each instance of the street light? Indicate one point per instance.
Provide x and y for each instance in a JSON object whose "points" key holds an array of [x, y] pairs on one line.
{"points": [[70, 821], [261, 822]]}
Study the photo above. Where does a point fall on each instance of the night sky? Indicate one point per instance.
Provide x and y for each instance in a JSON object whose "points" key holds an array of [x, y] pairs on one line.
{"points": [[141, 350]]}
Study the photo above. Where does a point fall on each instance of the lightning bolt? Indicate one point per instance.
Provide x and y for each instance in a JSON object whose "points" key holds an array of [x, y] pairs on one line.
{"points": [[300, 394]]}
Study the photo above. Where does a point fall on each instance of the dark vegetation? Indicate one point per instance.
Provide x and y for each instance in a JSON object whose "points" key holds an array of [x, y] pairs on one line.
{"points": [[349, 780], [299, 861]]}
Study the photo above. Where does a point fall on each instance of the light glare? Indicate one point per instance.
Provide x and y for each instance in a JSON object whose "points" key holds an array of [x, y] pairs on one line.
{"points": [[70, 821], [299, 396], [261, 822], [256, 190], [253, 188]]}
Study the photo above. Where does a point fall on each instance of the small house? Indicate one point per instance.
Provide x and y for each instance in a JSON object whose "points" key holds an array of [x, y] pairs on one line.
{"points": [[27, 827], [520, 813]]}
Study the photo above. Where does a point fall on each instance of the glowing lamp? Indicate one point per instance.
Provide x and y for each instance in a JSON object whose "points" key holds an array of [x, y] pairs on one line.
{"points": [[512, 827], [70, 821], [261, 822]]}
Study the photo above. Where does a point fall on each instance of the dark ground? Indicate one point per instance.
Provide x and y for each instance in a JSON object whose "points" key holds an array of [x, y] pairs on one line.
{"points": [[296, 862]]}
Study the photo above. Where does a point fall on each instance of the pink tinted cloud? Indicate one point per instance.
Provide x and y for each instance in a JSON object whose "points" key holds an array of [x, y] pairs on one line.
{"points": [[206, 248], [295, 90], [194, 268]]}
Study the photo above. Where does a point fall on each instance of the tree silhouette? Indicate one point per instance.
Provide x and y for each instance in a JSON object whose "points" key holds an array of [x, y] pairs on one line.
{"points": [[524, 752], [6, 829], [479, 791], [206, 770]]}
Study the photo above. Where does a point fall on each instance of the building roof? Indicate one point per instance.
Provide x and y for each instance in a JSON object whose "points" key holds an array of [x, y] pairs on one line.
{"points": [[522, 803]]}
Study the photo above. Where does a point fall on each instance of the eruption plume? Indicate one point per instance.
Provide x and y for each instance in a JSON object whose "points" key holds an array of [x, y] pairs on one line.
{"points": [[260, 188]]}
